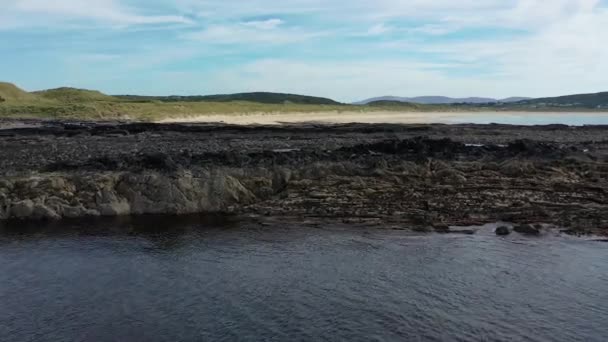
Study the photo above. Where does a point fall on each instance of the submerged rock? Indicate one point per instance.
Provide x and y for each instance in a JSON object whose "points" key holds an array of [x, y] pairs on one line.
{"points": [[527, 229], [503, 230]]}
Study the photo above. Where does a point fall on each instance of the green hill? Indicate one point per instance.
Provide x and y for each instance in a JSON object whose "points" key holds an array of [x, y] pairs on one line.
{"points": [[257, 97], [596, 100], [11, 93], [71, 95]]}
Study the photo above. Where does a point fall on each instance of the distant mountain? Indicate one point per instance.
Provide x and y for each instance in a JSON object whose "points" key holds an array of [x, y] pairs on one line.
{"points": [[514, 99], [259, 97], [441, 100], [389, 103]]}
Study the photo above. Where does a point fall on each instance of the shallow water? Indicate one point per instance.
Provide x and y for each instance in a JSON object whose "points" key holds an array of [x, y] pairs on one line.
{"points": [[162, 280], [571, 119]]}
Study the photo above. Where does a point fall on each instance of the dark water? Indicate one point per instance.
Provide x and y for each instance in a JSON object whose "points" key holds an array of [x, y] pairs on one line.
{"points": [[136, 281]]}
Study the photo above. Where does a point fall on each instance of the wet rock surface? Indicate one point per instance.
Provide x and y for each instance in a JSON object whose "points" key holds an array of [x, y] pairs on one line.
{"points": [[426, 177], [503, 230]]}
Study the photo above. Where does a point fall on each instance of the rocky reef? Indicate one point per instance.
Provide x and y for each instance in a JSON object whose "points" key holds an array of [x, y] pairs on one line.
{"points": [[425, 177]]}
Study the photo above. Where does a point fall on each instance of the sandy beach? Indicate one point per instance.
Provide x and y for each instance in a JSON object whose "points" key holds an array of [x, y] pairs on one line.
{"points": [[400, 118]]}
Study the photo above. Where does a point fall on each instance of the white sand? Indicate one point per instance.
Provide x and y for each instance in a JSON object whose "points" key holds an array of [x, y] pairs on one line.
{"points": [[380, 117], [331, 117]]}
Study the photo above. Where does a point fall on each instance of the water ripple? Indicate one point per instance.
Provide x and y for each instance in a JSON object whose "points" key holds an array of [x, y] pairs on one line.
{"points": [[290, 283]]}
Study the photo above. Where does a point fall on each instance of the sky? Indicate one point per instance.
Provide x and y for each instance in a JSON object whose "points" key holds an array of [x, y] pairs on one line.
{"points": [[346, 50]]}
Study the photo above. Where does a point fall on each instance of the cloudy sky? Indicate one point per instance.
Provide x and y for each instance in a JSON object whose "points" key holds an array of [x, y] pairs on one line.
{"points": [[347, 50]]}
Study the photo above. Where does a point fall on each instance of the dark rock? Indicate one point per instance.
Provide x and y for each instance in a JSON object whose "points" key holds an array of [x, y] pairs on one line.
{"points": [[23, 209], [462, 231], [442, 228], [502, 230], [159, 161], [528, 147], [527, 229], [421, 229]]}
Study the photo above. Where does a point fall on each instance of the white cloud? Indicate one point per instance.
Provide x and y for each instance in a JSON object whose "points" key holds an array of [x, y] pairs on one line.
{"points": [[27, 13], [378, 29], [264, 24], [547, 47], [342, 80], [265, 32]]}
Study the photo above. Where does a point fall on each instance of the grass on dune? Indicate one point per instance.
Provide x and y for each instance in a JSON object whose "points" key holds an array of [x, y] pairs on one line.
{"points": [[73, 95], [82, 104], [156, 110], [11, 93]]}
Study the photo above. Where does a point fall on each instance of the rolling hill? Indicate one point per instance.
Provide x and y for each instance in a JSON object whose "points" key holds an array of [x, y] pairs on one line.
{"points": [[389, 103], [11, 93], [72, 95], [441, 100], [83, 104], [596, 100], [257, 97]]}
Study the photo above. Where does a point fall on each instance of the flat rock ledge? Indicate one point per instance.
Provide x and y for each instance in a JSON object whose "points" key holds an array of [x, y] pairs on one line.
{"points": [[386, 176]]}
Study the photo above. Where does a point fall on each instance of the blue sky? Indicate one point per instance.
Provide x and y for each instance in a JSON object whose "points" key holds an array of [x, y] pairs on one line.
{"points": [[347, 50]]}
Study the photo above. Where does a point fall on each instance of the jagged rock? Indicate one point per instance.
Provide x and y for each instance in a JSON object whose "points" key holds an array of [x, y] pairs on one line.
{"points": [[74, 211], [358, 171], [22, 209], [119, 208], [43, 212]]}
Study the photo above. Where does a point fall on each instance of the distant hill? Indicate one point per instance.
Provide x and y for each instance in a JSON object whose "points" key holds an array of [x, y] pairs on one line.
{"points": [[10, 93], [74, 95], [596, 100], [389, 103], [514, 99], [441, 100], [259, 97]]}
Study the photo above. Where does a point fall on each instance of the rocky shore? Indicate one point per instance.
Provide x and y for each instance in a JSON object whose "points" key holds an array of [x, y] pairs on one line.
{"points": [[424, 177]]}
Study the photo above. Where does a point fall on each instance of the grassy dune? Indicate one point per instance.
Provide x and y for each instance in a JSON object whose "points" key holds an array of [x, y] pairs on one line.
{"points": [[82, 104]]}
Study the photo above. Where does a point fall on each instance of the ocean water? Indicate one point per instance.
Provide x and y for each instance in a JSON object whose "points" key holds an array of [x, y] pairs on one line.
{"points": [[218, 280], [527, 119]]}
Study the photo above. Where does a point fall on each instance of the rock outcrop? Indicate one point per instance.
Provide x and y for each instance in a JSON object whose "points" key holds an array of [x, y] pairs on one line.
{"points": [[56, 195], [381, 175]]}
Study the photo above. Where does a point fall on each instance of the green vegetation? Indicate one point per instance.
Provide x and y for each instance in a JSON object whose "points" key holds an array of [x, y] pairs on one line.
{"points": [[258, 97], [73, 95], [11, 93], [82, 104], [597, 100]]}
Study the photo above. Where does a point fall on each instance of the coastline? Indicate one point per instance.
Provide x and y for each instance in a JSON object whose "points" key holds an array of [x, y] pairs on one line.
{"points": [[372, 117], [422, 177]]}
